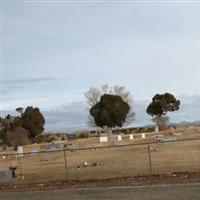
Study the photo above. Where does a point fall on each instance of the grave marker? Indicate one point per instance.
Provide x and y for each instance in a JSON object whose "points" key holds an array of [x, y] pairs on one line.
{"points": [[119, 138], [131, 137], [20, 150], [178, 134], [169, 140], [34, 152], [5, 175], [71, 147], [103, 139], [143, 136]]}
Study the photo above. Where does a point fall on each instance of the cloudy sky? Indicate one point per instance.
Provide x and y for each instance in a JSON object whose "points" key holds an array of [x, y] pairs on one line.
{"points": [[54, 52]]}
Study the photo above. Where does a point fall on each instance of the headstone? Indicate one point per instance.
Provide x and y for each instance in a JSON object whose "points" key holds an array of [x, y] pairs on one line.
{"points": [[113, 143], [71, 147], [169, 140], [143, 136], [47, 147], [52, 146], [71, 137], [119, 138], [103, 139], [5, 175], [58, 146], [156, 129], [131, 137], [34, 152], [178, 134], [20, 150]]}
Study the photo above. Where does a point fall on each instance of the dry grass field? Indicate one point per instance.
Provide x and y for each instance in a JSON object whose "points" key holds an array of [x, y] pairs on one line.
{"points": [[111, 162]]}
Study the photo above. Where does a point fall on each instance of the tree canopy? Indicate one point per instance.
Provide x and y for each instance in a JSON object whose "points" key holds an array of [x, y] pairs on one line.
{"points": [[94, 94], [163, 103], [33, 121], [111, 111]]}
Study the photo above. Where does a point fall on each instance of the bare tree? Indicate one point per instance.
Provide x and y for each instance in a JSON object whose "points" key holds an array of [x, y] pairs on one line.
{"points": [[93, 96]]}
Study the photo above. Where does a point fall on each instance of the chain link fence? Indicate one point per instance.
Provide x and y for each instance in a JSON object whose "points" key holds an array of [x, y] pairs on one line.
{"points": [[106, 162]]}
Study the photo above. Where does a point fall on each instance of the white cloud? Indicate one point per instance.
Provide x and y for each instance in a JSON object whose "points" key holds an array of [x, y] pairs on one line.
{"points": [[148, 48]]}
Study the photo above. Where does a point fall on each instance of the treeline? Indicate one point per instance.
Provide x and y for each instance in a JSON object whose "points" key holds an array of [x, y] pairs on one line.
{"points": [[21, 129], [109, 108]]}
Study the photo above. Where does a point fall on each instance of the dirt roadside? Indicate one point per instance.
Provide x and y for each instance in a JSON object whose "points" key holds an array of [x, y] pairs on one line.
{"points": [[183, 177]]}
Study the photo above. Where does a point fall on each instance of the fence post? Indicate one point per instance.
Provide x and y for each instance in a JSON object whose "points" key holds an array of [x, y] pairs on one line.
{"points": [[150, 163], [20, 166], [66, 170]]}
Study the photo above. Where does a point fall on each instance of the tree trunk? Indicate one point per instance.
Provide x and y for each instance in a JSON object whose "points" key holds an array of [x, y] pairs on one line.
{"points": [[157, 121], [109, 129], [110, 135], [156, 128]]}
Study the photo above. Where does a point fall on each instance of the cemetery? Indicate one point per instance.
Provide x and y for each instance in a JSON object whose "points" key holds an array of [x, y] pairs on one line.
{"points": [[101, 160]]}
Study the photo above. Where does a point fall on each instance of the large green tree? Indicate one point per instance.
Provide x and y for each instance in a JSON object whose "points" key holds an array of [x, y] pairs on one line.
{"points": [[94, 94], [111, 111], [5, 126], [33, 121], [160, 105]]}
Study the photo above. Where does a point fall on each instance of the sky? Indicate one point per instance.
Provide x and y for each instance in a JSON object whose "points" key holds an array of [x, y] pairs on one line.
{"points": [[54, 52]]}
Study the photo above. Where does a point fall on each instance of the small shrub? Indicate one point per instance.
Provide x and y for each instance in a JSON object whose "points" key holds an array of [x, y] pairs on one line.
{"points": [[169, 132], [18, 136], [49, 139], [63, 138], [83, 135], [39, 139]]}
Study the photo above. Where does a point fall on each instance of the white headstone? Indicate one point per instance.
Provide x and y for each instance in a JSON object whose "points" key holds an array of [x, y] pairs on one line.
{"points": [[20, 150], [156, 129], [178, 134], [143, 136], [103, 139], [131, 136], [119, 138]]}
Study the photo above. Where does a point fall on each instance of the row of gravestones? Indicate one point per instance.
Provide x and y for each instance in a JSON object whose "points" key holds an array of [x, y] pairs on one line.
{"points": [[20, 151], [119, 138]]}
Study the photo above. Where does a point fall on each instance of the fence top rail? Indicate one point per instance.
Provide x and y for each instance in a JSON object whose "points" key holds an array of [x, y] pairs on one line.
{"points": [[102, 147]]}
